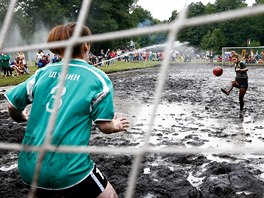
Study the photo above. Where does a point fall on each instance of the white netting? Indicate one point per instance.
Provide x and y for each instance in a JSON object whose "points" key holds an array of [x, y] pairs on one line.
{"points": [[173, 28]]}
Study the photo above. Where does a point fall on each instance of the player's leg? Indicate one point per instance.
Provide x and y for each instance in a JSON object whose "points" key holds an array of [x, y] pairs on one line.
{"points": [[242, 92], [229, 88], [95, 185], [109, 192]]}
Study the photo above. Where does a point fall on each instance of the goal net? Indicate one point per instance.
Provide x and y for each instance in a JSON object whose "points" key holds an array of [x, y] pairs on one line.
{"points": [[173, 29]]}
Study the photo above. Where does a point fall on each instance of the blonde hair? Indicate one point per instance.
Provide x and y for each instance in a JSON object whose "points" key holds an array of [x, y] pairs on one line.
{"points": [[235, 55], [65, 32]]}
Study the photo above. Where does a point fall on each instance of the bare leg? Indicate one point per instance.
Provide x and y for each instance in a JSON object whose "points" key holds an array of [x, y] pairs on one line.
{"points": [[229, 88], [242, 92], [109, 192]]}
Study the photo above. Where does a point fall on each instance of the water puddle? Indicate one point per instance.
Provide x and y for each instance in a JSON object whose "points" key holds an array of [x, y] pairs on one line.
{"points": [[191, 126], [8, 168], [181, 122]]}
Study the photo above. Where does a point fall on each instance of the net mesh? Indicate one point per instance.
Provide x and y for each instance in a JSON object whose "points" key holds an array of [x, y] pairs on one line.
{"points": [[173, 28]]}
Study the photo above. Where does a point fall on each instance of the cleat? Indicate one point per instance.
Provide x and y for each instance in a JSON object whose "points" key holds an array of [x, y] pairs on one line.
{"points": [[224, 91]]}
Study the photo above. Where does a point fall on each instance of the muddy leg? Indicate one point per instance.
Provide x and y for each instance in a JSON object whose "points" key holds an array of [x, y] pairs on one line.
{"points": [[227, 90], [242, 92]]}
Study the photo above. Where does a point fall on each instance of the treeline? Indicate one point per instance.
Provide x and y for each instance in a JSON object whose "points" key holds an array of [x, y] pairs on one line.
{"points": [[247, 31], [31, 16]]}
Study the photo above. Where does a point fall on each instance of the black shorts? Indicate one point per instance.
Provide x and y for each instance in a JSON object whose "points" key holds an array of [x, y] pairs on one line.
{"points": [[242, 82], [90, 187]]}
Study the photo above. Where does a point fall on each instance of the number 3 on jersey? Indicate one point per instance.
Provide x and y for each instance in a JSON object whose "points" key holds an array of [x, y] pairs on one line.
{"points": [[53, 95]]}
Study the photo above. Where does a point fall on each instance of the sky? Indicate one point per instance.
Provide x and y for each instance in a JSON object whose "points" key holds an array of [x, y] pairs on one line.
{"points": [[161, 9]]}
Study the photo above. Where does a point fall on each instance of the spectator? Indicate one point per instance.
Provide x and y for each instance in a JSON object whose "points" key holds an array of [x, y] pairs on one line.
{"points": [[112, 56], [56, 58], [23, 58], [108, 57], [118, 54], [39, 55], [1, 64], [14, 68], [126, 56], [19, 66], [6, 64], [43, 61], [101, 57]]}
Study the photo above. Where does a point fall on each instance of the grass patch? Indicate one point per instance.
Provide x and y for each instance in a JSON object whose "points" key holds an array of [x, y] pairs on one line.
{"points": [[117, 66], [122, 66]]}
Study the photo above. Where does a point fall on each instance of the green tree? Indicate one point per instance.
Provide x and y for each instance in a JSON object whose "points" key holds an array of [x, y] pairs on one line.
{"points": [[173, 16], [51, 13], [214, 40], [224, 5], [3, 9], [254, 44], [210, 8], [205, 43], [193, 35]]}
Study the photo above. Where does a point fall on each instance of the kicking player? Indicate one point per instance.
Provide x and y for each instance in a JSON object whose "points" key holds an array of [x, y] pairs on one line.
{"points": [[241, 80]]}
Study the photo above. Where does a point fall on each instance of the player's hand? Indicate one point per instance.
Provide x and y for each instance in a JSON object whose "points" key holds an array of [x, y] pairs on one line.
{"points": [[25, 114], [238, 69], [120, 124]]}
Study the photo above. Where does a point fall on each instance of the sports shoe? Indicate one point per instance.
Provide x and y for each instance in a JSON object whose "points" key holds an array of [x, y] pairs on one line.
{"points": [[224, 91]]}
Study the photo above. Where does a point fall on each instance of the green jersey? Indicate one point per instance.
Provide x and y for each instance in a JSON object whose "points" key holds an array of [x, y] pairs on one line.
{"points": [[87, 96], [5, 60]]}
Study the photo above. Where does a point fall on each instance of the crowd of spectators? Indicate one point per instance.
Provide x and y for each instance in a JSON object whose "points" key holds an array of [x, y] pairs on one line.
{"points": [[15, 67], [42, 59], [251, 58], [18, 66], [128, 55], [246, 57]]}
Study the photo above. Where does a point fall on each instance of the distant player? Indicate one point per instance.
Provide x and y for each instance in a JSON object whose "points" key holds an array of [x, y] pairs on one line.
{"points": [[240, 82]]}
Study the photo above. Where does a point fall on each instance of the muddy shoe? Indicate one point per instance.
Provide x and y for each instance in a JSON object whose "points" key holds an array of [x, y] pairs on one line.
{"points": [[241, 114], [224, 91]]}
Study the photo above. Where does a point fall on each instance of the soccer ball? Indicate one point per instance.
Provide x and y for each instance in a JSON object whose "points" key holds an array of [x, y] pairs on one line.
{"points": [[218, 71]]}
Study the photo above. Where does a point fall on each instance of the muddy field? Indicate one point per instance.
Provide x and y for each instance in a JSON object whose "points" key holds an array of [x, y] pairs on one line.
{"points": [[193, 113]]}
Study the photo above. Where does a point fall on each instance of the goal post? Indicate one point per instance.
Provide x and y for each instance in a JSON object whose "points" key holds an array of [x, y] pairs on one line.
{"points": [[249, 55]]}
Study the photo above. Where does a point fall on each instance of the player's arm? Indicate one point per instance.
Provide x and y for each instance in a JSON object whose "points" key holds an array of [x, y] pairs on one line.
{"points": [[113, 126], [242, 68], [17, 115]]}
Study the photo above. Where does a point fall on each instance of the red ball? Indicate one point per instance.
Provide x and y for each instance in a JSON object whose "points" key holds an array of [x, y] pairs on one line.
{"points": [[218, 71]]}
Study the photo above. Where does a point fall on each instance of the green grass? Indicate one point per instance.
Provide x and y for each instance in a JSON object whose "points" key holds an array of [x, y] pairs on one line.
{"points": [[117, 66], [122, 66]]}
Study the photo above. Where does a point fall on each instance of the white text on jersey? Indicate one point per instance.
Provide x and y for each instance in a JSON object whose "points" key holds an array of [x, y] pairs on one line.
{"points": [[74, 77]]}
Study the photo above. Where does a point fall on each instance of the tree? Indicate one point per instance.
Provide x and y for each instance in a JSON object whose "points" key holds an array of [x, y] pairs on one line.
{"points": [[194, 35], [196, 9], [210, 9], [214, 40], [254, 44], [224, 5], [205, 43], [173, 16], [3, 9], [53, 12]]}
